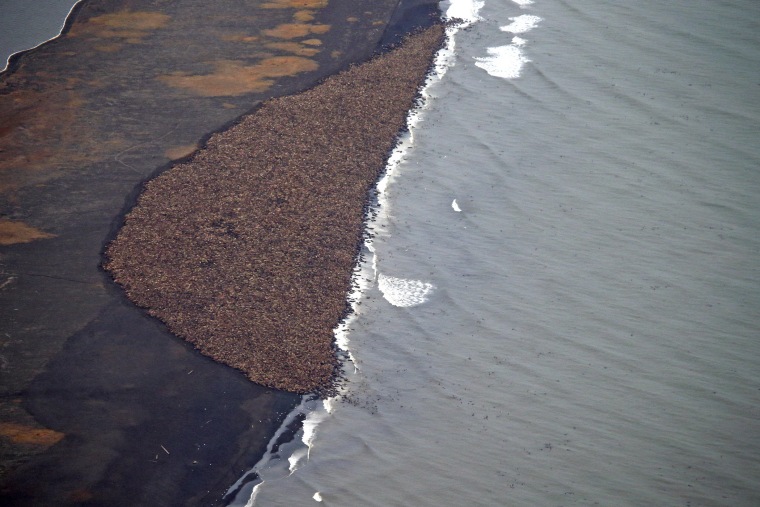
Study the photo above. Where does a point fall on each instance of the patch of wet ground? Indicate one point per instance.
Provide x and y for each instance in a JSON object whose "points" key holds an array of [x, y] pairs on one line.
{"points": [[99, 404]]}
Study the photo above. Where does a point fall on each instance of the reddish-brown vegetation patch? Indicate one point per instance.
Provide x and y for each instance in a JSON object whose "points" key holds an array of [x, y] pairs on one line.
{"points": [[20, 434], [12, 232]]}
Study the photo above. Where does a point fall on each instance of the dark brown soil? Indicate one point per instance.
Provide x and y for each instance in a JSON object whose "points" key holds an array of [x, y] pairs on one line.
{"points": [[247, 250]]}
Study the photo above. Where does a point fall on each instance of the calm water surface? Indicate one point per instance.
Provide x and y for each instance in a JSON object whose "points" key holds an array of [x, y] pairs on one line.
{"points": [[566, 303]]}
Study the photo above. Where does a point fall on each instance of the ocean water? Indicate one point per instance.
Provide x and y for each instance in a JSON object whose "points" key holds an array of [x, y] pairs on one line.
{"points": [[561, 305], [27, 24]]}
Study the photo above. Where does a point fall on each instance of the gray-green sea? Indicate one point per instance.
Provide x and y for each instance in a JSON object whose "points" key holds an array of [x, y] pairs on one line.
{"points": [[563, 303]]}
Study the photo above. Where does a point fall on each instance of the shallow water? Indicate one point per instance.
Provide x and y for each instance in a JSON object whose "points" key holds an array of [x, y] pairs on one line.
{"points": [[24, 25], [587, 217]]}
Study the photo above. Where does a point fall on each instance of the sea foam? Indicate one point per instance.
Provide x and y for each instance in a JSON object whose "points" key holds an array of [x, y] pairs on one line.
{"points": [[503, 61], [507, 61], [403, 292], [521, 24], [465, 10]]}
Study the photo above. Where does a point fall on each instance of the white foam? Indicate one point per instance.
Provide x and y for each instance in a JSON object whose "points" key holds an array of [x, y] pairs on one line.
{"points": [[403, 292], [507, 61], [329, 405], [295, 458], [317, 497], [523, 3], [503, 61], [518, 41], [521, 24], [455, 206], [254, 494], [466, 10], [310, 424], [360, 281]]}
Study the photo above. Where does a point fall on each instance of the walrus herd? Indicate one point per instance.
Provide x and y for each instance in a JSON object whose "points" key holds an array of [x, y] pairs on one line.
{"points": [[247, 249]]}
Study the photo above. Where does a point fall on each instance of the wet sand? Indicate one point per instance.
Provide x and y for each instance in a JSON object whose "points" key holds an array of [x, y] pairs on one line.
{"points": [[100, 403]]}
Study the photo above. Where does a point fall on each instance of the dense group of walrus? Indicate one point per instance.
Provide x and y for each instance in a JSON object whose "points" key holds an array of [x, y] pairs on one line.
{"points": [[247, 249]]}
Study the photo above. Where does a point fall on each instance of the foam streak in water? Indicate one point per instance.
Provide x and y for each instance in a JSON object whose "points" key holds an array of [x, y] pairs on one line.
{"points": [[402, 292], [503, 61], [466, 10], [521, 24], [507, 62]]}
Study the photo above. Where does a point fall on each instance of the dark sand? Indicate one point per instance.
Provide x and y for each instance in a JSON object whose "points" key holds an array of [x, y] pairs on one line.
{"points": [[91, 387], [247, 250]]}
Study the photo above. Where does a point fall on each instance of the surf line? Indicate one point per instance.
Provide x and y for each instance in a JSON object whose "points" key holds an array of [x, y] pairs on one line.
{"points": [[397, 291], [459, 15]]}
